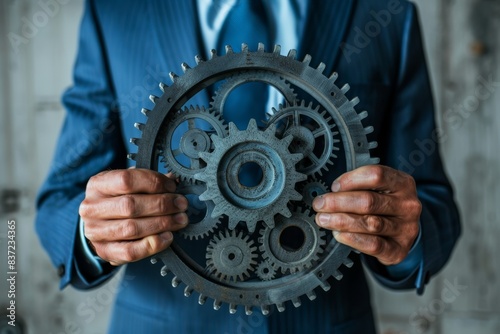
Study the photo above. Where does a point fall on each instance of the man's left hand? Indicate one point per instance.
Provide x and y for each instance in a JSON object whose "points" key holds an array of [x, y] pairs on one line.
{"points": [[374, 209]]}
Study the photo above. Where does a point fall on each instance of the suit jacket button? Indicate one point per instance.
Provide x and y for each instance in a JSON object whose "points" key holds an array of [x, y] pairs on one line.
{"points": [[61, 270]]}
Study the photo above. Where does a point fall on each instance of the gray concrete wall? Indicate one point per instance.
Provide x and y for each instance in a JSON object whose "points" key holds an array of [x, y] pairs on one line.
{"points": [[462, 43]]}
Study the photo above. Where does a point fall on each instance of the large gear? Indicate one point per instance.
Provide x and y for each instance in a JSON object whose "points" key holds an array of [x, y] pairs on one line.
{"points": [[294, 244], [270, 195], [263, 288], [231, 256]]}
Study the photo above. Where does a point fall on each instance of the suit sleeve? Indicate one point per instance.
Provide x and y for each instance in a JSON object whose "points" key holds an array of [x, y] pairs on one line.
{"points": [[411, 145], [90, 142]]}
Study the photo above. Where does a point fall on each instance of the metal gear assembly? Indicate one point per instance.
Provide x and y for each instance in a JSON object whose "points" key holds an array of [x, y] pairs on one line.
{"points": [[252, 239]]}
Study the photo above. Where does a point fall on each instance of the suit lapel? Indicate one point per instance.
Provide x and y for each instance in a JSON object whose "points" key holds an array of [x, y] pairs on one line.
{"points": [[326, 28]]}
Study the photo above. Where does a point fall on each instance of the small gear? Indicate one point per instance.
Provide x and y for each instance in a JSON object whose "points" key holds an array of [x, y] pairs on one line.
{"points": [[195, 124], [312, 188], [265, 271], [313, 134], [269, 195], [201, 223], [231, 256], [294, 244]]}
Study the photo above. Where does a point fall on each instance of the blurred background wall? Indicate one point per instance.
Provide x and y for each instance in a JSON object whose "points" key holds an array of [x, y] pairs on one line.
{"points": [[463, 51]]}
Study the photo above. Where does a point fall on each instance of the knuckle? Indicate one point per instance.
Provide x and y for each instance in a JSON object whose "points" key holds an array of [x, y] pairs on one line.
{"points": [[125, 180], [368, 203], [128, 254], [127, 205], [84, 210], [374, 224], [376, 247], [377, 174], [130, 229]]}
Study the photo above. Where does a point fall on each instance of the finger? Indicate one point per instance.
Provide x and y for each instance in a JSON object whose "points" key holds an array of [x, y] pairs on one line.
{"points": [[133, 206], [373, 177], [366, 224], [130, 181], [118, 253], [133, 229], [387, 251], [357, 202]]}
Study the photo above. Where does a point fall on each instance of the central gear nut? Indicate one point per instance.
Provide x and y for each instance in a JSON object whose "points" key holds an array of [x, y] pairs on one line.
{"points": [[255, 203]]}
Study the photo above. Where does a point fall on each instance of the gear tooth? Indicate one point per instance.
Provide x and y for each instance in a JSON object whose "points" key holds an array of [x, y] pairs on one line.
{"points": [[185, 67], [217, 304], [131, 156], [135, 141], [173, 76], [145, 111], [292, 54], [325, 286], [233, 128], [153, 260], [274, 110], [204, 155], [162, 86], [213, 54], [321, 67], [348, 263], [252, 125], [176, 281], [368, 130], [372, 145], [280, 307], [154, 98], [277, 49], [248, 310], [345, 88], [202, 299], [229, 49], [362, 115], [139, 126], [296, 196], [311, 295], [333, 76], [244, 47], [355, 101], [337, 275], [164, 270], [232, 308], [296, 302], [198, 59], [218, 211], [307, 59], [187, 291], [264, 309], [374, 161], [260, 47], [286, 212]]}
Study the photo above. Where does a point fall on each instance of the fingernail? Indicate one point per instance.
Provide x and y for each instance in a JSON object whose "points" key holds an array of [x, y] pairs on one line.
{"points": [[181, 203], [167, 236], [181, 218], [335, 234], [335, 186], [323, 219], [318, 203]]}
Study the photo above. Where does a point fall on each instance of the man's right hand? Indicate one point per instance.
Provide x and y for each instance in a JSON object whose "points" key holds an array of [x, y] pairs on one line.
{"points": [[130, 214]]}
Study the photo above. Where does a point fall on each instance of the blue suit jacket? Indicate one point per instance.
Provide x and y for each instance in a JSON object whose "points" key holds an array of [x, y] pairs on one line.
{"points": [[127, 47]]}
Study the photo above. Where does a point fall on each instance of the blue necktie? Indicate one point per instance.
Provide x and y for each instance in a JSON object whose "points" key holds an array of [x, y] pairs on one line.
{"points": [[246, 23]]}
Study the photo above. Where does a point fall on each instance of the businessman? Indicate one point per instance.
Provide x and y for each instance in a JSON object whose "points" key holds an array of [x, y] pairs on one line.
{"points": [[95, 214]]}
